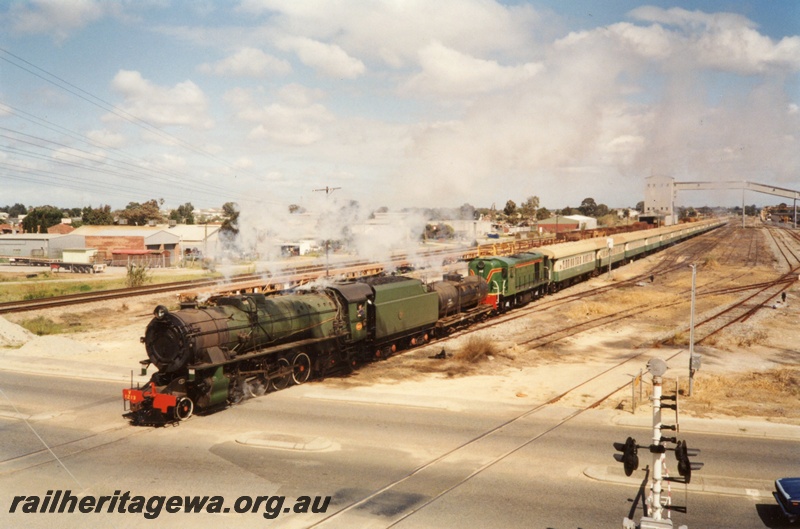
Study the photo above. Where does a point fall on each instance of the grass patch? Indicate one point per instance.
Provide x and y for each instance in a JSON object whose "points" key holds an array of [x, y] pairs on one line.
{"points": [[42, 326], [679, 339], [710, 263], [770, 393]]}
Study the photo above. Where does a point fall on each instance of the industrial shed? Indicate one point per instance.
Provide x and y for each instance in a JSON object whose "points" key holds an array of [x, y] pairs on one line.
{"points": [[197, 239], [558, 224], [40, 245], [584, 223], [111, 240]]}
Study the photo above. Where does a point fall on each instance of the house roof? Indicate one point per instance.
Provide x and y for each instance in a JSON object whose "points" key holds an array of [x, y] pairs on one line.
{"points": [[150, 234], [559, 220], [581, 218], [120, 231], [193, 232], [60, 228]]}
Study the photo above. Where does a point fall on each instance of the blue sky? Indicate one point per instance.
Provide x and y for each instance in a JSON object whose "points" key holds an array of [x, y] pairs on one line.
{"points": [[399, 104]]}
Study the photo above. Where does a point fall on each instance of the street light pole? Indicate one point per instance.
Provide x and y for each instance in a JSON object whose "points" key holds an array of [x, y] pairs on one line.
{"points": [[691, 331], [328, 191]]}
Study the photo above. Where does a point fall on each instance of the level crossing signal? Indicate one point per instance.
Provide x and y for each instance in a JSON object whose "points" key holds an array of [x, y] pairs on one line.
{"points": [[685, 467], [629, 456]]}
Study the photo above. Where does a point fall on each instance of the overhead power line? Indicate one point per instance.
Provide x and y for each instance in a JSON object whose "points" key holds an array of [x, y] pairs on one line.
{"points": [[131, 169]]}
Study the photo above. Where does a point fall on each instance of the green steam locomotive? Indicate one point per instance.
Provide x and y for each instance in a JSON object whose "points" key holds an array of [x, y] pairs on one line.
{"points": [[231, 347]]}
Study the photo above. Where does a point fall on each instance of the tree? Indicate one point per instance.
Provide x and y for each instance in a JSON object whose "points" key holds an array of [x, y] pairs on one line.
{"points": [[510, 209], [438, 231], [97, 216], [466, 212], [14, 211], [529, 207], [640, 206], [542, 213], [40, 218], [588, 207], [140, 214], [183, 214], [601, 210], [230, 226]]}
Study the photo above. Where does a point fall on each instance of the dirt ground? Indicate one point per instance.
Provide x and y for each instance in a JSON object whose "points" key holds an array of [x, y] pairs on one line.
{"points": [[748, 371]]}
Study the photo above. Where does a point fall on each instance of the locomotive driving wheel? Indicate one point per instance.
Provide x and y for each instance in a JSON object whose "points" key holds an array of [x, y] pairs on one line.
{"points": [[184, 408], [277, 381], [301, 368]]}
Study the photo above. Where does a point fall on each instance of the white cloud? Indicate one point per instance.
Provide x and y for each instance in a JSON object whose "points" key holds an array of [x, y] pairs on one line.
{"points": [[56, 17], [724, 41], [248, 62], [690, 20], [295, 119], [393, 32], [183, 104], [328, 59], [449, 72]]}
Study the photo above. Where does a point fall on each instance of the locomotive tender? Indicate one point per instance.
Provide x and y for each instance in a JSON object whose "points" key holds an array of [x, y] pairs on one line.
{"points": [[215, 354]]}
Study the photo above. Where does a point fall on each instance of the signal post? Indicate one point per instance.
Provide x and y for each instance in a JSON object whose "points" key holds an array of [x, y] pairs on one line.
{"points": [[655, 506]]}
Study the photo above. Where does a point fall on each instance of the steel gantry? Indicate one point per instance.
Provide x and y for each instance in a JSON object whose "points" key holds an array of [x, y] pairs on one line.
{"points": [[744, 186]]}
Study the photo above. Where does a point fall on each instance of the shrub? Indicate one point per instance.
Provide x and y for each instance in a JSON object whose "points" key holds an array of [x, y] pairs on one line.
{"points": [[477, 349], [137, 275]]}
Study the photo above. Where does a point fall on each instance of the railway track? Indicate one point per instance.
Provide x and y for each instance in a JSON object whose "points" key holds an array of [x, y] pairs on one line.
{"points": [[88, 297], [175, 286]]}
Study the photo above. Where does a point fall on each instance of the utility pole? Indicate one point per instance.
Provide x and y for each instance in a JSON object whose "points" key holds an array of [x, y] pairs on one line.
{"points": [[743, 207], [328, 191], [694, 360]]}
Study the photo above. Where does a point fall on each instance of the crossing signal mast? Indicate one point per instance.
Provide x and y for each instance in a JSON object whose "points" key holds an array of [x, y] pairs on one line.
{"points": [[628, 455]]}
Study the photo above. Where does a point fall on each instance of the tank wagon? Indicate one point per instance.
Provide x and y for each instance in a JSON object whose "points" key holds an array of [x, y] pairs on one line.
{"points": [[211, 355]]}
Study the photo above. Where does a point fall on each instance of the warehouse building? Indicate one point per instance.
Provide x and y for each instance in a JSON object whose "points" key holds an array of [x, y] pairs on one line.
{"points": [[39, 245]]}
